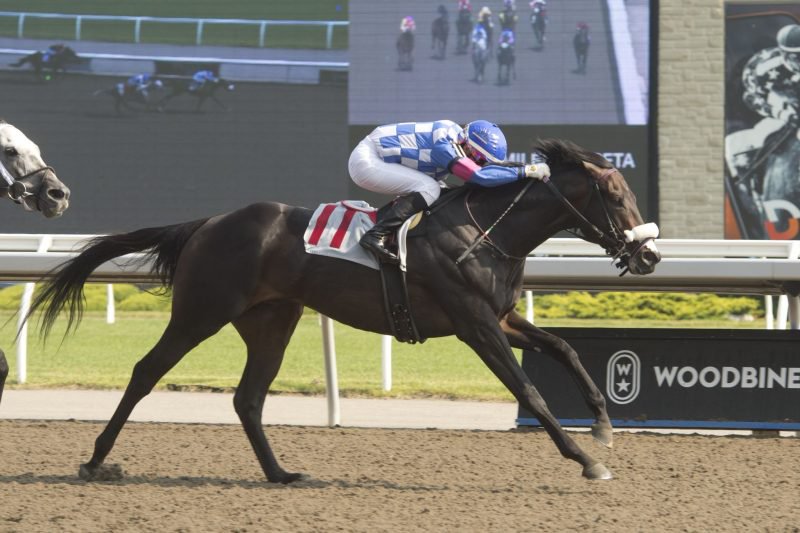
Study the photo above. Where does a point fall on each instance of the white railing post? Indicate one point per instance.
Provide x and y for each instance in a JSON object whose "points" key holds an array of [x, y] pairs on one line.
{"points": [[110, 304], [262, 33], [78, 28], [21, 26], [22, 325], [137, 30], [769, 312], [386, 361], [331, 380], [199, 38], [529, 306], [329, 36]]}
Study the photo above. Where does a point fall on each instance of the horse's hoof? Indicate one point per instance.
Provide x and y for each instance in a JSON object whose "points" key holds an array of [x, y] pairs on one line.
{"points": [[597, 471], [604, 434], [289, 477], [102, 472]]}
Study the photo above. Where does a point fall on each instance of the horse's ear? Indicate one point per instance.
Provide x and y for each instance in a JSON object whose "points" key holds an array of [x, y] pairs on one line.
{"points": [[3, 121], [594, 169]]}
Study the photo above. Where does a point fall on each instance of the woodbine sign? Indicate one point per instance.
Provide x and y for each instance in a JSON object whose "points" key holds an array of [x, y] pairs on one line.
{"points": [[748, 379]]}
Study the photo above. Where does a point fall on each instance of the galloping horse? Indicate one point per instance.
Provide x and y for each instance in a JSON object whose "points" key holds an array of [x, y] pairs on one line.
{"points": [[480, 52], [405, 50], [539, 23], [581, 42], [440, 29], [463, 29], [53, 60], [179, 86], [506, 60], [29, 182], [249, 268]]}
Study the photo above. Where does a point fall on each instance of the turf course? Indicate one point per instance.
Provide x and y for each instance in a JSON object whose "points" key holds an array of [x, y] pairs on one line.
{"points": [[171, 33]]}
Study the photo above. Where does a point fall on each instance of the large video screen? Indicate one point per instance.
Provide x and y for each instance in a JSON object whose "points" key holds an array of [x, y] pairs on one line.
{"points": [[579, 70]]}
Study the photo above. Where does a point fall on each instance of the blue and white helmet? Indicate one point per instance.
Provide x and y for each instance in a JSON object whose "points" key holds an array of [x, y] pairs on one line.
{"points": [[486, 140]]}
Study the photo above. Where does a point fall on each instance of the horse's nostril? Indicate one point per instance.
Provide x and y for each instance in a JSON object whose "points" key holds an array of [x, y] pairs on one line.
{"points": [[56, 194]]}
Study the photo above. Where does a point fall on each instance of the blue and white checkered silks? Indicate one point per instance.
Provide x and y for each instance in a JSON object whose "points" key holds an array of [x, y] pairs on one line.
{"points": [[423, 146]]}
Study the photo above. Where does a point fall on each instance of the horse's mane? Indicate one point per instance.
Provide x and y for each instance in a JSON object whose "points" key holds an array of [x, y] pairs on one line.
{"points": [[566, 153]]}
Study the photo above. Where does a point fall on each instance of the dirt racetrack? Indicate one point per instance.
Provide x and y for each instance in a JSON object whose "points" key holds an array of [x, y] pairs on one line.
{"points": [[182, 477]]}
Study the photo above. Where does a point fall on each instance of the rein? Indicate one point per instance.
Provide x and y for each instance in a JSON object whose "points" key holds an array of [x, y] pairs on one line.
{"points": [[485, 234], [611, 240]]}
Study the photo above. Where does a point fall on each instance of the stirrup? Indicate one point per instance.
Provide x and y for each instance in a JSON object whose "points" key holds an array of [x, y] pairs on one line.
{"points": [[375, 245]]}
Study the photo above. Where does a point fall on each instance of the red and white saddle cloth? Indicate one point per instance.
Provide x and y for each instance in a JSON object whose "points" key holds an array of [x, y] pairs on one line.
{"points": [[335, 229]]}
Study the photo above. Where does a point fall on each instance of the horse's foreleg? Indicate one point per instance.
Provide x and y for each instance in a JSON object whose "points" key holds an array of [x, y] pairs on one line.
{"points": [[266, 330], [173, 345], [483, 334], [3, 373], [524, 335], [219, 102]]}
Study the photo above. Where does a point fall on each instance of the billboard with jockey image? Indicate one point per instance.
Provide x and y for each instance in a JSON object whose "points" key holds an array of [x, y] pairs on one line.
{"points": [[762, 100]]}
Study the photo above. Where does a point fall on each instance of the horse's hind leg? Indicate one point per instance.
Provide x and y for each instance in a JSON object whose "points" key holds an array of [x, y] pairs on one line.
{"points": [[3, 373], [524, 335], [176, 341], [266, 330]]}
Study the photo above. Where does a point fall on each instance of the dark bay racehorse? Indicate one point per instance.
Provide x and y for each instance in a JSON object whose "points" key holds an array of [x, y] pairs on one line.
{"points": [[207, 91], [249, 268], [580, 43], [440, 29], [539, 24], [28, 181], [405, 50], [505, 63], [463, 30], [51, 61]]}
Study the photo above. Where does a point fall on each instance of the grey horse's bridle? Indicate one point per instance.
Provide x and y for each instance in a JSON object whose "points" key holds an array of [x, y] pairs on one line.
{"points": [[15, 188]]}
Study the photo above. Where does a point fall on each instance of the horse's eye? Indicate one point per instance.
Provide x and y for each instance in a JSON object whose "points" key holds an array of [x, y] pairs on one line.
{"points": [[10, 151]]}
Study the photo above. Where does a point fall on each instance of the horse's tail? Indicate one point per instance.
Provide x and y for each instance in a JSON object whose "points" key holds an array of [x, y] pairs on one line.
{"points": [[64, 290]]}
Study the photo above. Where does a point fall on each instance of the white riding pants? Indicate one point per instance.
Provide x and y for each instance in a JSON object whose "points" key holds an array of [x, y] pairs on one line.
{"points": [[372, 173]]}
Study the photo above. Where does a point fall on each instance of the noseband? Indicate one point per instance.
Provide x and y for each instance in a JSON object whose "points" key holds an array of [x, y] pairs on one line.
{"points": [[14, 188]]}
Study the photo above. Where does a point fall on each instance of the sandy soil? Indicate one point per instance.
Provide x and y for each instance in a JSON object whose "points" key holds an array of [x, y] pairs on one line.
{"points": [[205, 478]]}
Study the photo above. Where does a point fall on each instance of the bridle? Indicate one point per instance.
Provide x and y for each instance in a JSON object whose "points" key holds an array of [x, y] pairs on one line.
{"points": [[15, 188], [613, 240]]}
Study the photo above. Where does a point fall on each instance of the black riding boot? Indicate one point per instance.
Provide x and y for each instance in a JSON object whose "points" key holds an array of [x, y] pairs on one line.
{"points": [[398, 212]]}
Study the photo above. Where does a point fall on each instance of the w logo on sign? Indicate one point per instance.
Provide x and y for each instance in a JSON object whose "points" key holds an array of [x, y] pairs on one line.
{"points": [[623, 377]]}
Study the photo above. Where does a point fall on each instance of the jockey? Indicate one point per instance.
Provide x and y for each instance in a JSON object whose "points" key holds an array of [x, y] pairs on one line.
{"points": [[408, 24], [506, 39], [479, 33], [140, 84], [409, 160], [771, 77], [464, 5], [508, 17], [200, 78]]}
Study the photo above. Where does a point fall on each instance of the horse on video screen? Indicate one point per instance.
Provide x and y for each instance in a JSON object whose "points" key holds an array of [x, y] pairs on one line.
{"points": [[29, 182], [440, 29], [506, 59], [134, 99], [539, 23], [250, 268], [49, 62], [207, 90], [463, 30], [480, 53]]}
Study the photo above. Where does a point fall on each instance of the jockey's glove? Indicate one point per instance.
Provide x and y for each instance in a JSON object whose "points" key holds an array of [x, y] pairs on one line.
{"points": [[538, 171]]}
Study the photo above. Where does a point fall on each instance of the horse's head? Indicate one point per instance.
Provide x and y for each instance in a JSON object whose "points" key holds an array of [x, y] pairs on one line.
{"points": [[602, 206], [26, 178]]}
